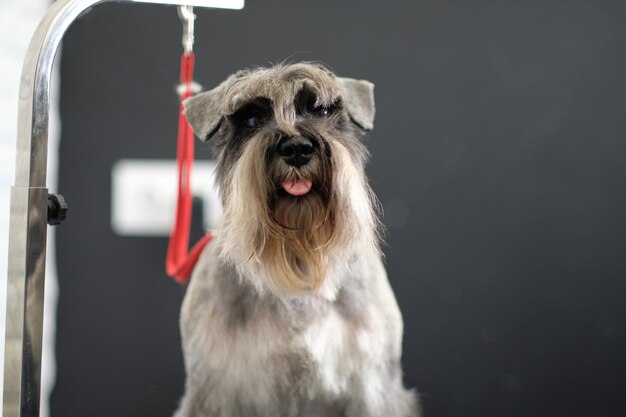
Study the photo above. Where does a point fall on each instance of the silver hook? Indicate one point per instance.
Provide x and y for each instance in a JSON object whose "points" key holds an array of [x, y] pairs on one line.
{"points": [[187, 18]]}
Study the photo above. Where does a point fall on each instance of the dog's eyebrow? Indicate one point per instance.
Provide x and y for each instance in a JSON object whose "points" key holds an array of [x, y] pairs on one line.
{"points": [[323, 96], [261, 102], [313, 94]]}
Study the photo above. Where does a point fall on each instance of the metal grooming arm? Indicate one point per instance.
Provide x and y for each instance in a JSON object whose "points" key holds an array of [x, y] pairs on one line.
{"points": [[29, 206]]}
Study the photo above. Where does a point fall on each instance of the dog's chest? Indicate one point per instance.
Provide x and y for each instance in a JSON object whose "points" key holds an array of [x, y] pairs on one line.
{"points": [[330, 347], [272, 350]]}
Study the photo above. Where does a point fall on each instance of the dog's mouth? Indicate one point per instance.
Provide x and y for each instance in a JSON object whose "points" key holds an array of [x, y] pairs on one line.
{"points": [[297, 188]]}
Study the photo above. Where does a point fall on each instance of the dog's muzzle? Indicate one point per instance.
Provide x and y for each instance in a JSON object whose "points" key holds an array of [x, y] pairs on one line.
{"points": [[296, 151]]}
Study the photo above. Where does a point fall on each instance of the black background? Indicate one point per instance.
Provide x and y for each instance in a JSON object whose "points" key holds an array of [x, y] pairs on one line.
{"points": [[498, 154]]}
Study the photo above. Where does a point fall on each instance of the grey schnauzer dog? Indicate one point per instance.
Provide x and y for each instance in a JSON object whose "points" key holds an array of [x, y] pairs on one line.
{"points": [[289, 311]]}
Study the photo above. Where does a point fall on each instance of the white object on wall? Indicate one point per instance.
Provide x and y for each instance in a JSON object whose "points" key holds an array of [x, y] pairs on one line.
{"points": [[144, 192]]}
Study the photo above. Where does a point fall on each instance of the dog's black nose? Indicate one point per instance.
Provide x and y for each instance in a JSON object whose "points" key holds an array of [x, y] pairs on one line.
{"points": [[296, 151]]}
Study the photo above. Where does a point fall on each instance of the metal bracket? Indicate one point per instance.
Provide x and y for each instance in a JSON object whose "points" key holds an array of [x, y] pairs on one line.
{"points": [[29, 205]]}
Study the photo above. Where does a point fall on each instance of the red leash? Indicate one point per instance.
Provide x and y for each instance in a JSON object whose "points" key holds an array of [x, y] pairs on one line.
{"points": [[180, 263]]}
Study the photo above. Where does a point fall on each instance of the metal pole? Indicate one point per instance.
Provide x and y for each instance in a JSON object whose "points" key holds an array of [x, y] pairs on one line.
{"points": [[29, 206]]}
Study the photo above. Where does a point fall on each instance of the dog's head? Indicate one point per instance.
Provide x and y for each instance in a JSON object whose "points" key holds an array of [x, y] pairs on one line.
{"points": [[297, 206]]}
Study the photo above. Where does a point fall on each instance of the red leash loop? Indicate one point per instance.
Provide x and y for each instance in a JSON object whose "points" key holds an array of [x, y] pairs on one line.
{"points": [[179, 262]]}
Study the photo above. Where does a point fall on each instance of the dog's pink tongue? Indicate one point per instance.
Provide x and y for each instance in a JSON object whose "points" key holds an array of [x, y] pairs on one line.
{"points": [[300, 187]]}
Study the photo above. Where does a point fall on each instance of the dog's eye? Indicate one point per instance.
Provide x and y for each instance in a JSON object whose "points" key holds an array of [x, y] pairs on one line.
{"points": [[252, 121], [252, 118], [253, 115], [323, 111]]}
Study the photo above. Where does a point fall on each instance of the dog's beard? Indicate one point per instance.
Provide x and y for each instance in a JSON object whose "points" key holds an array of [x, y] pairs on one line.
{"points": [[293, 241], [295, 250]]}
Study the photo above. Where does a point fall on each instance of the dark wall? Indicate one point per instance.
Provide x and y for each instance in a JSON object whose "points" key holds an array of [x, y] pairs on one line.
{"points": [[499, 155]]}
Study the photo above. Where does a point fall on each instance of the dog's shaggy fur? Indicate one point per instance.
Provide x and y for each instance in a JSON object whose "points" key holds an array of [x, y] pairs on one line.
{"points": [[289, 311]]}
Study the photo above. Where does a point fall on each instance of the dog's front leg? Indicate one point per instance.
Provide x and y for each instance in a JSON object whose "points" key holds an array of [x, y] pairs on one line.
{"points": [[382, 396], [194, 404], [378, 390]]}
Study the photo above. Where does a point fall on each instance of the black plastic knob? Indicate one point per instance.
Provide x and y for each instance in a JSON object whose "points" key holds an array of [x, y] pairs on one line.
{"points": [[57, 209]]}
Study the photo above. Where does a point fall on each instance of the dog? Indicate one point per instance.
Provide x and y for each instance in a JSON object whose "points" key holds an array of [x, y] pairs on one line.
{"points": [[289, 312]]}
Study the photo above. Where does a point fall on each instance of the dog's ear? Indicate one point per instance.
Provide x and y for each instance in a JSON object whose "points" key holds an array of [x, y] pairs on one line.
{"points": [[359, 101], [203, 112]]}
